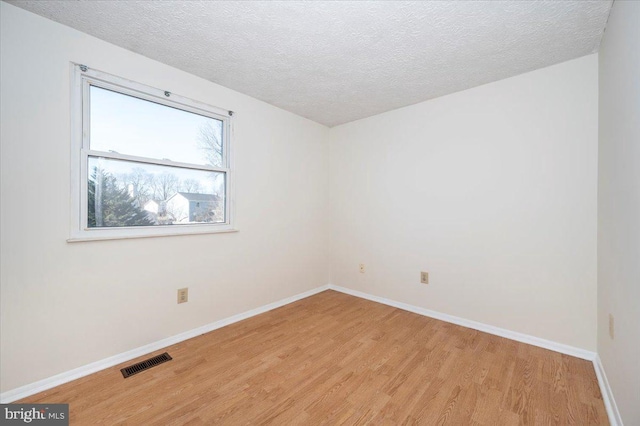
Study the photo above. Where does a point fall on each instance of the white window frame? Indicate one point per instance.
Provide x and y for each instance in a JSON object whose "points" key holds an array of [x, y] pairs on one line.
{"points": [[84, 77]]}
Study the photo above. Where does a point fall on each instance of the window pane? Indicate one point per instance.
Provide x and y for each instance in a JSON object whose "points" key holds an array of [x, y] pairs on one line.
{"points": [[134, 126], [126, 193]]}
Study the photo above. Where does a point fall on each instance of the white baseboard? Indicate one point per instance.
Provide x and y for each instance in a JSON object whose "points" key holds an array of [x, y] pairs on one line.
{"points": [[58, 379], [513, 335], [607, 394]]}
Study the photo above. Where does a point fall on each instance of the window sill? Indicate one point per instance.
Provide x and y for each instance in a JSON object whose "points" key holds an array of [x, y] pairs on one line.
{"points": [[125, 234]]}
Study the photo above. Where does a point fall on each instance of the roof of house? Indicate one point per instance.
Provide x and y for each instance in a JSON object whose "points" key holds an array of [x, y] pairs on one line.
{"points": [[191, 196]]}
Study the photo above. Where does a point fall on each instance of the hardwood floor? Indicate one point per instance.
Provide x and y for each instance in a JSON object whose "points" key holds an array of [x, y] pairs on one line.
{"points": [[337, 359]]}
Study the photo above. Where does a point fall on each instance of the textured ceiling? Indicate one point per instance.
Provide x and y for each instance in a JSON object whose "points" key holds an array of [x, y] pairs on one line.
{"points": [[335, 62]]}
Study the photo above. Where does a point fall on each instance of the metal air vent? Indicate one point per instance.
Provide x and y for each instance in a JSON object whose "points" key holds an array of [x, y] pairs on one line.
{"points": [[145, 365]]}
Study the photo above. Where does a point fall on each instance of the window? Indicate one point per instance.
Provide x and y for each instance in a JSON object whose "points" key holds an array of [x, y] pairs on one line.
{"points": [[146, 162]]}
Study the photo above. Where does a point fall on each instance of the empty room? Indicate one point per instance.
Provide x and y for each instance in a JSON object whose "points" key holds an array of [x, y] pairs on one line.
{"points": [[320, 212]]}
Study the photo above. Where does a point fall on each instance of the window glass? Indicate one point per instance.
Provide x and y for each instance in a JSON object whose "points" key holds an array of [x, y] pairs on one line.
{"points": [[126, 193], [133, 126]]}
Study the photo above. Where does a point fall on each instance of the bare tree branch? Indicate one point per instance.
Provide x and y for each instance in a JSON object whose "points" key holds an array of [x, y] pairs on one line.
{"points": [[164, 186], [210, 142]]}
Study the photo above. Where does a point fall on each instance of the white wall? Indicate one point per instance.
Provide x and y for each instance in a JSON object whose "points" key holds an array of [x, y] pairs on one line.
{"points": [[619, 207], [492, 190], [65, 305]]}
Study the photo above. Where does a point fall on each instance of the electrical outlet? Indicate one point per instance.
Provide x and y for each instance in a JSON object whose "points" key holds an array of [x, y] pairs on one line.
{"points": [[362, 268], [183, 295], [611, 327], [424, 277]]}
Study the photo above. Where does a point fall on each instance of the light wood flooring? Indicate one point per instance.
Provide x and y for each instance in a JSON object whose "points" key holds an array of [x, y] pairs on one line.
{"points": [[337, 359]]}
